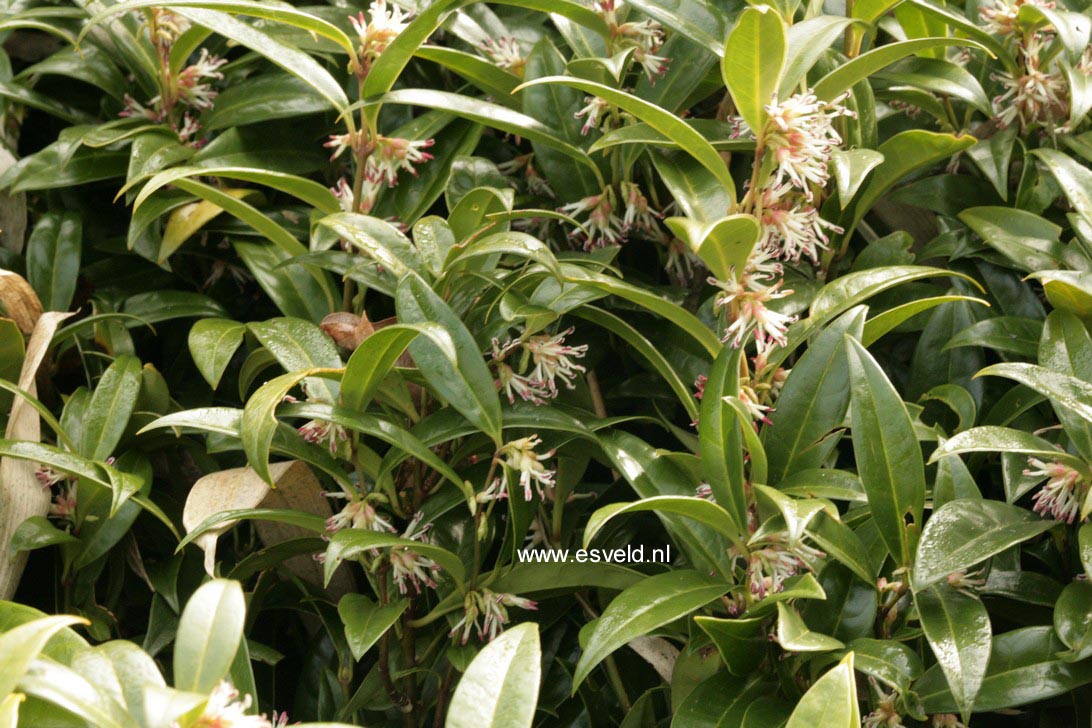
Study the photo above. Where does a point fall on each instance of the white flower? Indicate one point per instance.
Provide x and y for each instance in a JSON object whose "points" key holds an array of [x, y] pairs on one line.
{"points": [[647, 35], [603, 226], [392, 154], [791, 229], [497, 490], [885, 715], [773, 559], [746, 300], [339, 143], [590, 113], [493, 610], [704, 491], [409, 568], [520, 456], [134, 109], [526, 388], [653, 65], [1034, 97], [193, 81], [553, 359], [382, 26], [505, 53], [320, 432], [47, 476], [800, 135], [224, 709], [759, 412], [638, 213], [63, 505], [357, 513], [1063, 493], [1000, 15], [343, 191]]}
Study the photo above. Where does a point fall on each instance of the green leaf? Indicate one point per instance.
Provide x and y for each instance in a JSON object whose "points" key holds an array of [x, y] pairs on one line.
{"points": [[467, 385], [1067, 348], [720, 437], [496, 82], [721, 700], [902, 154], [365, 621], [301, 291], [851, 168], [53, 259], [294, 61], [1024, 668], [643, 607], [652, 473], [651, 301], [957, 628], [20, 645], [111, 405], [259, 422], [885, 322], [851, 289], [1070, 392], [1073, 620], [940, 77], [299, 519], [37, 532], [724, 245], [350, 543], [754, 58], [795, 636], [500, 687], [1010, 334], [741, 642], [813, 401], [490, 114], [648, 351], [806, 42], [831, 702], [857, 69], [990, 438], [301, 188], [209, 634], [1074, 179], [659, 119], [264, 97], [966, 532], [372, 361], [888, 661], [888, 455], [698, 509], [1028, 240], [213, 342]]}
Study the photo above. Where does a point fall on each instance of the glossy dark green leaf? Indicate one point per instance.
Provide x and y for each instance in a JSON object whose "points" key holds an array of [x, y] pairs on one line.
{"points": [[967, 532], [643, 607], [1024, 668], [213, 342], [721, 439], [365, 621], [1066, 347], [1073, 620], [754, 57], [958, 630], [53, 259], [741, 642], [720, 701], [813, 401], [888, 456], [110, 408], [468, 386]]}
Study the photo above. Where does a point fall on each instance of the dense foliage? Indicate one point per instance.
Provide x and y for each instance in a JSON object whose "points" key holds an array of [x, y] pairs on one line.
{"points": [[325, 324]]}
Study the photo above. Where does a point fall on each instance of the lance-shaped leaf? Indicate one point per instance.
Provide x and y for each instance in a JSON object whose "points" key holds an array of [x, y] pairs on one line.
{"points": [[720, 437], [643, 607], [958, 630], [466, 385], [754, 57], [831, 701], [209, 634], [372, 361], [660, 119], [966, 532], [888, 456], [500, 687]]}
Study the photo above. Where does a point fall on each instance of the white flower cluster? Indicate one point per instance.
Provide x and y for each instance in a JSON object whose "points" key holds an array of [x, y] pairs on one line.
{"points": [[376, 31], [551, 360], [520, 457], [1064, 492], [386, 157], [773, 559], [224, 709], [486, 612]]}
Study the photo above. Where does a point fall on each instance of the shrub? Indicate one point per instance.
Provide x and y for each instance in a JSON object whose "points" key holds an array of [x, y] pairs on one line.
{"points": [[773, 320]]}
